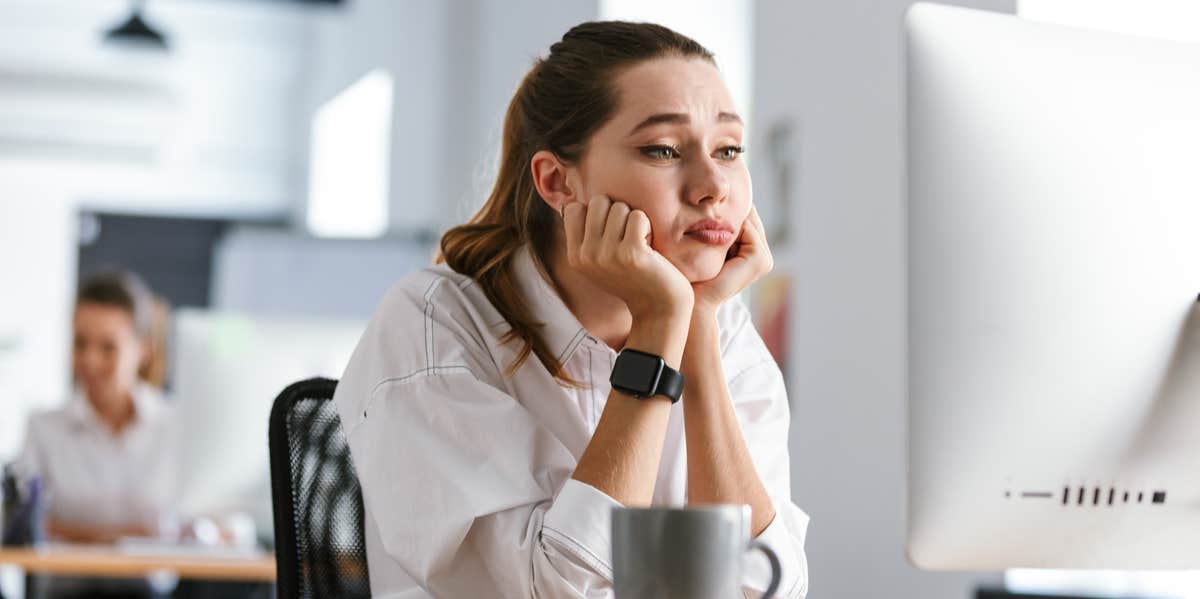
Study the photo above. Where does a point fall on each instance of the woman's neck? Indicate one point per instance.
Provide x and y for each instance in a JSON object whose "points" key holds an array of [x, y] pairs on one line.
{"points": [[604, 315], [116, 412]]}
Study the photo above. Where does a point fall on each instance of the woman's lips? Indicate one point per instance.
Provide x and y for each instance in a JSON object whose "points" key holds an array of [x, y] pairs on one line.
{"points": [[712, 236], [711, 231]]}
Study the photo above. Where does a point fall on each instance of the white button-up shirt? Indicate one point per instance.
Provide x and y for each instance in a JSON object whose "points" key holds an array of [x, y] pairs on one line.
{"points": [[97, 478], [466, 473]]}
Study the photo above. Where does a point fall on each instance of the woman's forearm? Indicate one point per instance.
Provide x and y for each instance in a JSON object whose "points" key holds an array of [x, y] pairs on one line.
{"points": [[720, 468], [76, 532], [623, 456]]}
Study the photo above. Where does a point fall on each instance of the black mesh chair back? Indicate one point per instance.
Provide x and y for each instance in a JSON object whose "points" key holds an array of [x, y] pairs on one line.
{"points": [[320, 547]]}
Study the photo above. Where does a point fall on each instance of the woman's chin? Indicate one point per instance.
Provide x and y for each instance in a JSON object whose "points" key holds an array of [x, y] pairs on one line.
{"points": [[703, 269], [100, 393]]}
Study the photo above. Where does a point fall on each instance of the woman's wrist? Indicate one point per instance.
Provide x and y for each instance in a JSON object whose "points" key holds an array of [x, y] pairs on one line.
{"points": [[663, 334], [704, 312], [703, 344]]}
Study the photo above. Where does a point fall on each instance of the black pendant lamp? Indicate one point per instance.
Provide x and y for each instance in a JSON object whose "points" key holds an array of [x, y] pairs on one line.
{"points": [[134, 31]]}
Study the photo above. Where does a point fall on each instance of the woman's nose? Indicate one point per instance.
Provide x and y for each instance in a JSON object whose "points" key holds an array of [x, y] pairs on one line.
{"points": [[88, 361], [706, 183]]}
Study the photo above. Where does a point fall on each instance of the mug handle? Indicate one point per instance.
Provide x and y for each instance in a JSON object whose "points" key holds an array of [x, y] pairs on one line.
{"points": [[776, 567]]}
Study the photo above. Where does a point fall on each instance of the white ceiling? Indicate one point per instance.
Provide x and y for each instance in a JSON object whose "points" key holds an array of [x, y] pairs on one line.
{"points": [[227, 103]]}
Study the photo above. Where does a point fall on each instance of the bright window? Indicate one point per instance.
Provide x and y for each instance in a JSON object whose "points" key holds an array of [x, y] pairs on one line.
{"points": [[350, 160]]}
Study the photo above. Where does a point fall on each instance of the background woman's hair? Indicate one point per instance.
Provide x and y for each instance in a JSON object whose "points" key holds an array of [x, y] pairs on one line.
{"points": [[150, 315], [560, 103]]}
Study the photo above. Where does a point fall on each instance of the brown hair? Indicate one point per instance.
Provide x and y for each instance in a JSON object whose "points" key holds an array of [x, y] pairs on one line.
{"points": [[150, 315], [562, 100], [120, 289]]}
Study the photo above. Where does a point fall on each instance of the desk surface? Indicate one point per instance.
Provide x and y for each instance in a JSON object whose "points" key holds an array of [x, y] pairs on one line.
{"points": [[112, 562]]}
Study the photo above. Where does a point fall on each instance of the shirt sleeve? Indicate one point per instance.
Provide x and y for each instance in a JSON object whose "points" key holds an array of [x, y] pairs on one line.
{"points": [[760, 401], [473, 497]]}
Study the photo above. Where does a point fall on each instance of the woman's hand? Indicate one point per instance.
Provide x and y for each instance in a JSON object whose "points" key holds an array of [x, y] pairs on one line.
{"points": [[76, 532], [609, 243], [750, 259]]}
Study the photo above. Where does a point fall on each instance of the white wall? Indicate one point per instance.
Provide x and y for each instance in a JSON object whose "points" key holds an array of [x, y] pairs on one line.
{"points": [[492, 45], [456, 64], [835, 68], [37, 264]]}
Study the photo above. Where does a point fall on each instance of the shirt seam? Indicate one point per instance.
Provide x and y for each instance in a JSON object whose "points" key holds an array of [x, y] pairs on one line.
{"points": [[795, 581], [579, 550], [591, 393], [743, 371], [448, 369], [572, 344], [429, 344]]}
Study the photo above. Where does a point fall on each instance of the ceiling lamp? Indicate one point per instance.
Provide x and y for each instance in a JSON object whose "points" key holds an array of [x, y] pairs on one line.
{"points": [[134, 31]]}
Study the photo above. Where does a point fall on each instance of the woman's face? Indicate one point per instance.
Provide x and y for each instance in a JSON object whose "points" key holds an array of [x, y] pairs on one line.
{"points": [[673, 150], [107, 352]]}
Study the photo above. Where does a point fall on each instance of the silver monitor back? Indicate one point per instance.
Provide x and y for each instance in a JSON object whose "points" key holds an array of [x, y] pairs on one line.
{"points": [[1053, 271]]}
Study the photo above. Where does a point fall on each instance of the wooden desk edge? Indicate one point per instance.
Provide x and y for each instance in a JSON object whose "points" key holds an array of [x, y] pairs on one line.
{"points": [[86, 562]]}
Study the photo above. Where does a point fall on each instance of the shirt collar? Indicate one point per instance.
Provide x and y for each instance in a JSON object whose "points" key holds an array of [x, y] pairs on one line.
{"points": [[146, 406], [560, 329]]}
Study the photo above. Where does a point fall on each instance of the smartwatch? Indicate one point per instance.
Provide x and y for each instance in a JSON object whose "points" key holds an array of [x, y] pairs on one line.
{"points": [[644, 375]]}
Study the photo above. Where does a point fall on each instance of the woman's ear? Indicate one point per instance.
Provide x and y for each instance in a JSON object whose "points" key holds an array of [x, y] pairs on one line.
{"points": [[556, 182]]}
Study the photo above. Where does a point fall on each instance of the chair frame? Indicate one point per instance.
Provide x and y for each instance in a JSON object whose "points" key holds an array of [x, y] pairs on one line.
{"points": [[287, 557]]}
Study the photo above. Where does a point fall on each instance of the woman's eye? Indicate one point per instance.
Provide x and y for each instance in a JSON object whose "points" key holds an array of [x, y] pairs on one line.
{"points": [[730, 152], [660, 152]]}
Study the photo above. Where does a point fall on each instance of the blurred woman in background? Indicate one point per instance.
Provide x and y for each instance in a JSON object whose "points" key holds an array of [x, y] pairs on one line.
{"points": [[105, 458]]}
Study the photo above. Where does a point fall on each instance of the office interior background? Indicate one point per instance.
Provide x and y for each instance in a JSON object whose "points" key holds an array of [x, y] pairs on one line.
{"points": [[279, 164]]}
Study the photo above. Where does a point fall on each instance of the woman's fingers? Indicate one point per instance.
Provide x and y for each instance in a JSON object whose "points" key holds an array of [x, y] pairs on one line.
{"points": [[759, 232], [637, 228], [597, 216], [614, 228], [595, 227], [756, 219], [607, 242]]}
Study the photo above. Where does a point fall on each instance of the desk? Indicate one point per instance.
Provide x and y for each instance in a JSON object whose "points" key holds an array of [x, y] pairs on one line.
{"points": [[73, 560]]}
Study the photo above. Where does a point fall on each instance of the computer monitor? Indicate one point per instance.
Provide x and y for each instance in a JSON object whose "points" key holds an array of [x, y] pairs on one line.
{"points": [[227, 370], [1053, 271]]}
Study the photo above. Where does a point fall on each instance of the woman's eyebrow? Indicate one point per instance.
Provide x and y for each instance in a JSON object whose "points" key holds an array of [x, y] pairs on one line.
{"points": [[679, 118]]}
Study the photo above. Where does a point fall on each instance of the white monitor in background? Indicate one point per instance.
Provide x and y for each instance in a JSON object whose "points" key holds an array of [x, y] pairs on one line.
{"points": [[227, 370], [1053, 272]]}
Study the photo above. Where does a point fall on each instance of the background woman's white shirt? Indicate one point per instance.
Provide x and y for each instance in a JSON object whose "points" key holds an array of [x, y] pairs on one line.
{"points": [[95, 477], [466, 473]]}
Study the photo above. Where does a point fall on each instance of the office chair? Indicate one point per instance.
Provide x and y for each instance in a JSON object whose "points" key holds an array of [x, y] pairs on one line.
{"points": [[320, 543]]}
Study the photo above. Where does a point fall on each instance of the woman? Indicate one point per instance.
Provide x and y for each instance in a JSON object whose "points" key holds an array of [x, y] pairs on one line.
{"points": [[105, 456], [621, 222]]}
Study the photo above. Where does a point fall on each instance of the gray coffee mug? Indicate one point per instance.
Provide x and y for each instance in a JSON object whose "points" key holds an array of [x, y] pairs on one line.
{"points": [[693, 553]]}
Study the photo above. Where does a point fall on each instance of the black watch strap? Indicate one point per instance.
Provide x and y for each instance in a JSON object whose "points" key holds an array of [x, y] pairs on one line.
{"points": [[644, 375], [670, 383]]}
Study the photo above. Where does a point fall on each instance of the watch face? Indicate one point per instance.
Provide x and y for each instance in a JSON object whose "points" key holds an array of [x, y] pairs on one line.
{"points": [[636, 372]]}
